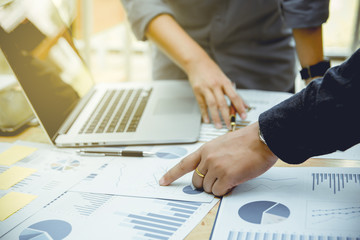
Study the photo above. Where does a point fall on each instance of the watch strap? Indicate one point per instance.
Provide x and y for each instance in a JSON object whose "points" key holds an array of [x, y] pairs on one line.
{"points": [[318, 69]]}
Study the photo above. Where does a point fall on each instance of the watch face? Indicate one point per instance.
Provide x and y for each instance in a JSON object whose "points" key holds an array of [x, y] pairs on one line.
{"points": [[262, 139]]}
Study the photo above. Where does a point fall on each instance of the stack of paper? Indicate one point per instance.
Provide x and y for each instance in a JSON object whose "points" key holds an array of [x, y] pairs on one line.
{"points": [[99, 197], [32, 177]]}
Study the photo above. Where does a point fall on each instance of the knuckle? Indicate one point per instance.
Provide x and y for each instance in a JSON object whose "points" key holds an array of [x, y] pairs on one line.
{"points": [[211, 102], [232, 95], [222, 105], [197, 88], [217, 165], [206, 188], [212, 158], [203, 107], [219, 193], [182, 166], [212, 84]]}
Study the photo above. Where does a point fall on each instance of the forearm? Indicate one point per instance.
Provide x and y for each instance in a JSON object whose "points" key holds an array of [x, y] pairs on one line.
{"points": [[306, 17], [320, 119], [309, 46], [169, 36]]}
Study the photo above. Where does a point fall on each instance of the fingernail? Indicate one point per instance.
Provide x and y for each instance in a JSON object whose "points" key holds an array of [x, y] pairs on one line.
{"points": [[206, 120], [218, 125], [162, 181], [243, 116]]}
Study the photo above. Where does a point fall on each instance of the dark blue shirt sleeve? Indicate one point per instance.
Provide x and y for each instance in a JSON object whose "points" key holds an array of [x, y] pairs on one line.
{"points": [[322, 118]]}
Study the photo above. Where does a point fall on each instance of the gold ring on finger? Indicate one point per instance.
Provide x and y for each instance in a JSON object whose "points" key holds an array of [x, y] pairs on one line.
{"points": [[199, 173]]}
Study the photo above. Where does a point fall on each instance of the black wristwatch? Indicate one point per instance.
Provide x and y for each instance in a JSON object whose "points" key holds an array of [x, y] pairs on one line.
{"points": [[318, 69]]}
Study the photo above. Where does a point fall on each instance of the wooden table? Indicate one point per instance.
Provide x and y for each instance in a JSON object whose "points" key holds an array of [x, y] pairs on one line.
{"points": [[203, 229]]}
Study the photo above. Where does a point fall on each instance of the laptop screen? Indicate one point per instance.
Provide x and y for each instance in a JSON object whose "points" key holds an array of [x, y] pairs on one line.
{"points": [[39, 47]]}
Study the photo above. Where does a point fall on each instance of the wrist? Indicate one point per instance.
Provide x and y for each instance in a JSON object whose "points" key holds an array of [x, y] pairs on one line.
{"points": [[317, 70], [196, 61], [266, 150]]}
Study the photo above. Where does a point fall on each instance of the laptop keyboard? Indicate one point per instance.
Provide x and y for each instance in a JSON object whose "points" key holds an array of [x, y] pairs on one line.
{"points": [[118, 111]]}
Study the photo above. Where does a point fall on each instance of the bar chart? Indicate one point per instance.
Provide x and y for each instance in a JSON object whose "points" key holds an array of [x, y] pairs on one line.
{"points": [[335, 182], [91, 202], [77, 215], [165, 219], [235, 235]]}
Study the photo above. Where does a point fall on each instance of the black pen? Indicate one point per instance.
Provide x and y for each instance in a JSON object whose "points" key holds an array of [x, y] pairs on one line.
{"points": [[113, 153]]}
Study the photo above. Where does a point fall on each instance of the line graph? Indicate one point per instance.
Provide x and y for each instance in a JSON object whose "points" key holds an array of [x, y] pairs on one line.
{"points": [[264, 183], [333, 214]]}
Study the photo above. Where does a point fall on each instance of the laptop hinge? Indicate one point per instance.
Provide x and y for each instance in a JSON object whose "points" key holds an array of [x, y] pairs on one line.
{"points": [[74, 114]]}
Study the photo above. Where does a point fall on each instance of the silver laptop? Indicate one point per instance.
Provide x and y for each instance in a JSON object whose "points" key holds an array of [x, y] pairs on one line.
{"points": [[72, 110]]}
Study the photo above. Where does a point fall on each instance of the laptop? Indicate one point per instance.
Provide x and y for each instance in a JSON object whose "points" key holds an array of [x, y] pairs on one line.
{"points": [[75, 112]]}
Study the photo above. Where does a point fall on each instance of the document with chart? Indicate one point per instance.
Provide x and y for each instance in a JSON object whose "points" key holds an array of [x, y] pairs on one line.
{"points": [[139, 176], [32, 177], [293, 204], [77, 215], [259, 101], [352, 153]]}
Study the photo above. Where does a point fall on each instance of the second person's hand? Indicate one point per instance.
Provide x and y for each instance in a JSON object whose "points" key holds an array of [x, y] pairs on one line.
{"points": [[210, 86], [209, 83]]}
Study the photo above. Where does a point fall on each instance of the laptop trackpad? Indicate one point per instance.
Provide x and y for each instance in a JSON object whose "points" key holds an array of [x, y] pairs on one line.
{"points": [[174, 106]]}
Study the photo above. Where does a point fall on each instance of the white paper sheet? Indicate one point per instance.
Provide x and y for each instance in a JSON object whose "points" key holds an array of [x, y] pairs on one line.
{"points": [[352, 153], [78, 215], [139, 177], [293, 204], [57, 171]]}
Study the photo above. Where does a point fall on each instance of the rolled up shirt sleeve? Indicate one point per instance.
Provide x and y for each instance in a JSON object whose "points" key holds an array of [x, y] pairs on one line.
{"points": [[304, 13], [141, 12], [322, 118]]}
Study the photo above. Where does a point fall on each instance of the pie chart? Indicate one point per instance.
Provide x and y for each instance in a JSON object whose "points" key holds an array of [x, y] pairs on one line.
{"points": [[65, 165], [264, 212], [46, 230], [189, 190], [171, 152]]}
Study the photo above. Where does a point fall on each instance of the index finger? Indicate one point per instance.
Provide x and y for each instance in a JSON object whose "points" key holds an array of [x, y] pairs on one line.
{"points": [[186, 165]]}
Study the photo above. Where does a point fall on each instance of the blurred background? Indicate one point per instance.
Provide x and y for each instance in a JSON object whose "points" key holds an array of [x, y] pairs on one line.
{"points": [[108, 46], [103, 36]]}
